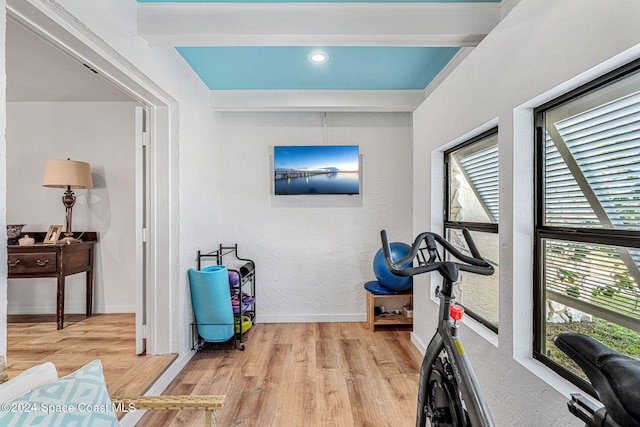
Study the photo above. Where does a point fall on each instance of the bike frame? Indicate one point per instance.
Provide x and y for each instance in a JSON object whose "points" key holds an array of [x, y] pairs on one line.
{"points": [[447, 338]]}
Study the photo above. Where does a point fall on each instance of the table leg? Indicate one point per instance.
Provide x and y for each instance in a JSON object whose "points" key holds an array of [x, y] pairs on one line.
{"points": [[60, 302], [89, 306], [371, 302]]}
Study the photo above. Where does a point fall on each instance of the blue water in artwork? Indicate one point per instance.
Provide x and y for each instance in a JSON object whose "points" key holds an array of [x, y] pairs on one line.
{"points": [[325, 183]]}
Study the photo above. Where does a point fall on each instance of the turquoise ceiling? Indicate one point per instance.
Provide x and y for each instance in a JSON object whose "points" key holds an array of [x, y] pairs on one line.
{"points": [[287, 68], [392, 50]]}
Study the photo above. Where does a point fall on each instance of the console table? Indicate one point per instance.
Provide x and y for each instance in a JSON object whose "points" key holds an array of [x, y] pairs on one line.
{"points": [[54, 260]]}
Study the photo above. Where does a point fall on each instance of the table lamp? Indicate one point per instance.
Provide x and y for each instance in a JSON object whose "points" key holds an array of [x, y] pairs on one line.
{"points": [[67, 174]]}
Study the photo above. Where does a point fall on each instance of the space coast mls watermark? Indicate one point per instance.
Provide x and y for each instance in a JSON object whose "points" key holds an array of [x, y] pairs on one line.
{"points": [[124, 406], [49, 408]]}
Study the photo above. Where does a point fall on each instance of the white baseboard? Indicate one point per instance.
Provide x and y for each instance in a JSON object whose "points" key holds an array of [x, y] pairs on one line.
{"points": [[420, 345], [310, 318], [130, 419], [111, 309]]}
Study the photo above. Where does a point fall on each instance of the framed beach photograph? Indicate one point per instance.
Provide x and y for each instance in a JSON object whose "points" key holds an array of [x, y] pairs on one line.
{"points": [[53, 234], [326, 169]]}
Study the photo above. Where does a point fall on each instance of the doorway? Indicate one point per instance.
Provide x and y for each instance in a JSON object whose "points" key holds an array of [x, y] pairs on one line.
{"points": [[149, 263]]}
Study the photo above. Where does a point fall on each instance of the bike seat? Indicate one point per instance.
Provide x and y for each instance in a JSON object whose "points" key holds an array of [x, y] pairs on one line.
{"points": [[614, 376]]}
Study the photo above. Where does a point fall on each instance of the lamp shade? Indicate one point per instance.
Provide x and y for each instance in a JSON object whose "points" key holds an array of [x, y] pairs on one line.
{"points": [[67, 173]]}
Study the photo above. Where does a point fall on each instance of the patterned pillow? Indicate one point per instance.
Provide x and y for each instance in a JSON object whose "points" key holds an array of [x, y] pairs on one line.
{"points": [[79, 399]]}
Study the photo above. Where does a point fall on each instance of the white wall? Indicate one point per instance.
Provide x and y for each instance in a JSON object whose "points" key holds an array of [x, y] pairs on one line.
{"points": [[540, 50], [103, 135], [313, 253]]}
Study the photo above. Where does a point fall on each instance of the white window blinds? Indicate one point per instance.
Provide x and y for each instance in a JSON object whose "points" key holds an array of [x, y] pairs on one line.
{"points": [[592, 180], [593, 167]]}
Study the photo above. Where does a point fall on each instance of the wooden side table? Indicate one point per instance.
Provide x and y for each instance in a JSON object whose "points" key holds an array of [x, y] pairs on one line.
{"points": [[389, 320], [56, 261]]}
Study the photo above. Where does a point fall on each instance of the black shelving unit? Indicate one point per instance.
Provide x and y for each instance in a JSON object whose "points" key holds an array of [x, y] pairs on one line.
{"points": [[245, 288]]}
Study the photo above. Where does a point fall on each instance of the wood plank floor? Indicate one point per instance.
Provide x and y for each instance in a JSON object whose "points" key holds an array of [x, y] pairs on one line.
{"points": [[32, 340], [305, 374]]}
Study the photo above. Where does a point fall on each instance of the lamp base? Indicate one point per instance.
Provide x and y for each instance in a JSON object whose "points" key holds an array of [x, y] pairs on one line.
{"points": [[68, 240]]}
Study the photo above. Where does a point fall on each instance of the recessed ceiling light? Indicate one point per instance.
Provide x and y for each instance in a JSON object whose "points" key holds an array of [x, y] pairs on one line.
{"points": [[318, 57]]}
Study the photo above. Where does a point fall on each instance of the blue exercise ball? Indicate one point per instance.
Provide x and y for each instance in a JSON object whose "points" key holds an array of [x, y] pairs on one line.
{"points": [[385, 276]]}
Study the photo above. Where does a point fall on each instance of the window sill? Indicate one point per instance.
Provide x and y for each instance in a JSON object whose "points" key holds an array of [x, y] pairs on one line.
{"points": [[554, 380], [475, 326], [481, 330]]}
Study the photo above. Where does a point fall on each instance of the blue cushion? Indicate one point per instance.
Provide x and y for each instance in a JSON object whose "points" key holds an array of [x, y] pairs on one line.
{"points": [[378, 289], [78, 400]]}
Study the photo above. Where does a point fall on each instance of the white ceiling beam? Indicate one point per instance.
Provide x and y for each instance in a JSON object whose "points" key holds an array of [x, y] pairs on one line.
{"points": [[316, 100], [316, 24]]}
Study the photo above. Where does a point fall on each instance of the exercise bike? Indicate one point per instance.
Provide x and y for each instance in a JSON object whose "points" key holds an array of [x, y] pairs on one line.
{"points": [[448, 392], [614, 376]]}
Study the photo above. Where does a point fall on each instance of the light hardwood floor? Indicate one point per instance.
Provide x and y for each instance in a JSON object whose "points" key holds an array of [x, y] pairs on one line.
{"points": [[307, 374], [32, 340]]}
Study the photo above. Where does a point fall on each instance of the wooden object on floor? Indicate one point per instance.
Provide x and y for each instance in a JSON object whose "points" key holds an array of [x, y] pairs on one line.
{"points": [[56, 261], [391, 319], [4, 375], [305, 374], [31, 340], [210, 404]]}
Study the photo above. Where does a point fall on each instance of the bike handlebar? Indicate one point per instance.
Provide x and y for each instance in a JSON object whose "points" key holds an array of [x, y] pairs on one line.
{"points": [[475, 264]]}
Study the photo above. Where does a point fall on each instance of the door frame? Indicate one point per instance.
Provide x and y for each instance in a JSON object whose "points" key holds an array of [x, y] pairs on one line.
{"points": [[141, 114], [61, 29]]}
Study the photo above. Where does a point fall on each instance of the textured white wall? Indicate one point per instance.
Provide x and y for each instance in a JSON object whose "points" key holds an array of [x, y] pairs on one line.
{"points": [[313, 253], [101, 134], [540, 50]]}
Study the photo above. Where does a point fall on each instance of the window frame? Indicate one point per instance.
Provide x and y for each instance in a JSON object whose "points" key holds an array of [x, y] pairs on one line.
{"points": [[613, 237], [484, 227]]}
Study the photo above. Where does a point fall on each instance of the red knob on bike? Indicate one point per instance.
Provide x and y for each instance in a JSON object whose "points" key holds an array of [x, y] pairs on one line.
{"points": [[456, 312]]}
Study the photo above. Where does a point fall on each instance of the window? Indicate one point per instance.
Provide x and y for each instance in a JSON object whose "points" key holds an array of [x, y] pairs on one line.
{"points": [[588, 218], [471, 201]]}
